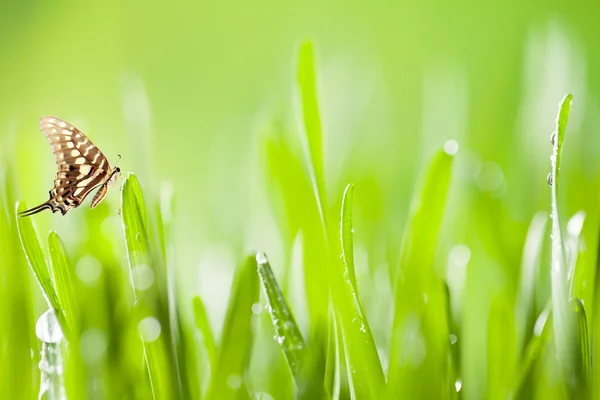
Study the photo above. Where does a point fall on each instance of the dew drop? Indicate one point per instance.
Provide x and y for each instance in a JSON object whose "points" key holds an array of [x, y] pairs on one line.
{"points": [[261, 258], [453, 338], [549, 179], [48, 329], [553, 137], [458, 385]]}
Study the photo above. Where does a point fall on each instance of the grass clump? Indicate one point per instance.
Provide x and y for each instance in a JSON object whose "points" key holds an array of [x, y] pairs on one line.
{"points": [[129, 331]]}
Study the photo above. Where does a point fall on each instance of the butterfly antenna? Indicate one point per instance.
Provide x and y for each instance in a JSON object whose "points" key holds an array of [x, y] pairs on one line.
{"points": [[118, 155]]}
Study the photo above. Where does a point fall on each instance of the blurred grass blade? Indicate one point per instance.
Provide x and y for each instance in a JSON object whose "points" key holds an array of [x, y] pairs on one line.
{"points": [[64, 279], [525, 381], [201, 321], [151, 307], [311, 385], [287, 333], [365, 374], [35, 258], [582, 349], [236, 341], [525, 311], [420, 319], [564, 328], [502, 362], [311, 122]]}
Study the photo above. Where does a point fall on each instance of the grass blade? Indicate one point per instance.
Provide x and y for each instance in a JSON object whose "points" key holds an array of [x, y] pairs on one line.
{"points": [[286, 330], [208, 341], [64, 279], [420, 320], [365, 374], [312, 121], [236, 340], [564, 323], [37, 262], [525, 311], [153, 316]]}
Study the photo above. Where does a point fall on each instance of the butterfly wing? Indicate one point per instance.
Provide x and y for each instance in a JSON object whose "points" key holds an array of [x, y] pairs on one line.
{"points": [[81, 166]]}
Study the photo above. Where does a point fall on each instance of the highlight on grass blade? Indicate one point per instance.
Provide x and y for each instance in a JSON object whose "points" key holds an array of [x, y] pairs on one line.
{"points": [[287, 333]]}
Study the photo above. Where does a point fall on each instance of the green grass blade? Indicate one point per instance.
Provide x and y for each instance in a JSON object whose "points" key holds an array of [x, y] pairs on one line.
{"points": [[65, 281], [581, 349], [501, 343], [20, 378], [346, 236], [236, 340], [287, 333], [37, 262], [152, 303], [201, 321], [420, 320], [525, 311], [564, 328], [311, 119], [207, 343], [365, 374], [525, 380]]}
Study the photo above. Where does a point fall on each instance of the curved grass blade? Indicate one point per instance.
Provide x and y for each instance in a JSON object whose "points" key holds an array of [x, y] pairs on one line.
{"points": [[420, 319], [312, 122], [287, 332], [525, 316], [35, 258], [582, 349], [63, 274], [236, 340], [542, 334], [564, 323], [208, 341], [365, 374]]}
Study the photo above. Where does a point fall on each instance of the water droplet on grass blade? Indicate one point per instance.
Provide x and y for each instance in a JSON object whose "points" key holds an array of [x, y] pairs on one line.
{"points": [[261, 258], [48, 329], [453, 338], [549, 179], [458, 385], [553, 137]]}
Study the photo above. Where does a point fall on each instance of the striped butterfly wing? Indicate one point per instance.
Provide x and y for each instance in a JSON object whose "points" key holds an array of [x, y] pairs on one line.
{"points": [[81, 167]]}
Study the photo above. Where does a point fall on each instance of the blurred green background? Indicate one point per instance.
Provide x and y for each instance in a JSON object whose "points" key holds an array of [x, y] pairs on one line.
{"points": [[189, 93]]}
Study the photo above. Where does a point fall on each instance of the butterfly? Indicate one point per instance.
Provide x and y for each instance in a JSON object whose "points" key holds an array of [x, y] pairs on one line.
{"points": [[81, 168]]}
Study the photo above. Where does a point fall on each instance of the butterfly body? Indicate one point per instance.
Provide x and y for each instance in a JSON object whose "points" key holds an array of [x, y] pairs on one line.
{"points": [[81, 168]]}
